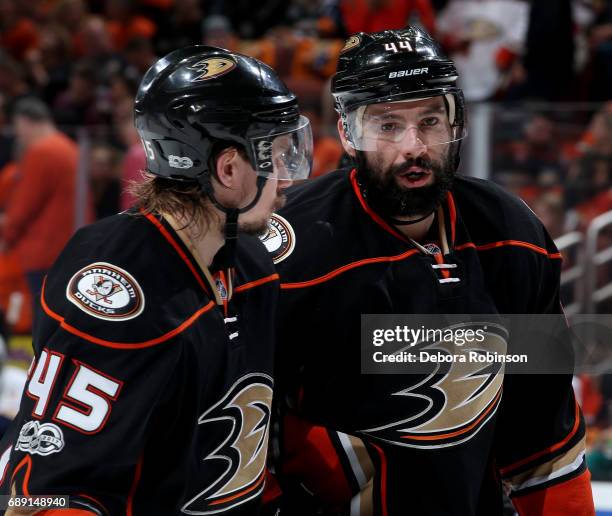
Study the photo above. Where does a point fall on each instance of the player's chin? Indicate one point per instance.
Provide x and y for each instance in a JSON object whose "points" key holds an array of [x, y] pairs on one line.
{"points": [[255, 227], [279, 202]]}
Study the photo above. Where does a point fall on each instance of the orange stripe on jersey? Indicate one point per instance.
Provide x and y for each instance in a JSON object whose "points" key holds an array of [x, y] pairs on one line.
{"points": [[309, 454], [458, 432], [344, 268], [130, 501], [243, 492], [502, 243], [27, 462], [570, 498], [369, 211], [383, 480], [452, 210], [552, 449], [440, 261], [256, 283], [176, 247], [122, 345], [272, 490]]}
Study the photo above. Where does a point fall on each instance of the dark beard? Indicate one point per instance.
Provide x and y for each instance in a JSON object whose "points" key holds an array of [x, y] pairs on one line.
{"points": [[386, 197]]}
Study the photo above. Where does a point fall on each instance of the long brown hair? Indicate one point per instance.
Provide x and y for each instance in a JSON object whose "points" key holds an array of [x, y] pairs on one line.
{"points": [[184, 200]]}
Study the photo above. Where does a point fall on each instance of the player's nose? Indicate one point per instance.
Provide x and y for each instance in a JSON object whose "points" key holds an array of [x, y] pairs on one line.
{"points": [[412, 145]]}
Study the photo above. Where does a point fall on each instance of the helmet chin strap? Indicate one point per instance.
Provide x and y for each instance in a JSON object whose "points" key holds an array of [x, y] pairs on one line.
{"points": [[398, 222], [230, 229]]}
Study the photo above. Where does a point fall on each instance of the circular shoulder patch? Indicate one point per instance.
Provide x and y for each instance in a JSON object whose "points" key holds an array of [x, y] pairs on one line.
{"points": [[106, 292], [279, 239]]}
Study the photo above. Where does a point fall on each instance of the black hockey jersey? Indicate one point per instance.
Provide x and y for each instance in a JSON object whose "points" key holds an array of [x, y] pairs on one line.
{"points": [[145, 397], [393, 445]]}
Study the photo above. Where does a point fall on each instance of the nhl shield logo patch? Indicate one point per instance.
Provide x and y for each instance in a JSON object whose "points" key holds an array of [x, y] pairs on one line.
{"points": [[433, 248], [106, 292], [279, 239]]}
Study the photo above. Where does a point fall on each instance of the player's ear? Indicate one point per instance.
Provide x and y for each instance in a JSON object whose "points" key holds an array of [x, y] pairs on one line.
{"points": [[227, 172], [348, 148]]}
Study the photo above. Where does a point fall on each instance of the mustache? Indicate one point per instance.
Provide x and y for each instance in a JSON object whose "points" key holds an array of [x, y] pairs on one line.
{"points": [[420, 162]]}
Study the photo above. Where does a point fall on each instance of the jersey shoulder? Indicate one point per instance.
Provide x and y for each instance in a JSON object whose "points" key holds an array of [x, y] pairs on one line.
{"points": [[120, 280], [253, 260], [316, 197], [311, 225], [492, 214]]}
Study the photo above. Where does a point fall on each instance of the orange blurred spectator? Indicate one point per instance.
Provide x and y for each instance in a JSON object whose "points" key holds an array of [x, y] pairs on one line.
{"points": [[15, 300], [327, 149], [123, 23], [8, 178], [40, 214], [378, 15], [18, 35], [315, 58]]}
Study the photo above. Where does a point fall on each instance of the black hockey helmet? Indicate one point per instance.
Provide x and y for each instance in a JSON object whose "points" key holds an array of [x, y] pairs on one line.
{"points": [[198, 97], [396, 66]]}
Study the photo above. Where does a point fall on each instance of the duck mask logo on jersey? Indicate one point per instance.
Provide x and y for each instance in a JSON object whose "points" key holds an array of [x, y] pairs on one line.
{"points": [[106, 291], [452, 403], [241, 420]]}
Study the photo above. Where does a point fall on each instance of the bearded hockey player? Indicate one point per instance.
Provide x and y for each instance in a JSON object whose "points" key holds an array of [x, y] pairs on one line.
{"points": [[400, 233], [151, 387]]}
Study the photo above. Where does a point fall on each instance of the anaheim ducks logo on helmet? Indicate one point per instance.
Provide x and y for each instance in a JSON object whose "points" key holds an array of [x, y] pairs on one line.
{"points": [[452, 403], [350, 43], [212, 67]]}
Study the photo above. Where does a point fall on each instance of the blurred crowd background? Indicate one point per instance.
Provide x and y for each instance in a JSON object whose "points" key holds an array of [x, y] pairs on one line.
{"points": [[537, 76]]}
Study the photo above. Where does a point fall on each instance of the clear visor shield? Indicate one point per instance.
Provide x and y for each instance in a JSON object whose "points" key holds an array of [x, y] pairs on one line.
{"points": [[286, 154], [406, 122]]}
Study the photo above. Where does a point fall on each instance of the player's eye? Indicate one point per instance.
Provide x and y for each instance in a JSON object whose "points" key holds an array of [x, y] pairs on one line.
{"points": [[389, 127], [430, 121]]}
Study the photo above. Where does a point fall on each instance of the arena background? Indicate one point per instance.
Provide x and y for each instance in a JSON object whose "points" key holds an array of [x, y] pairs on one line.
{"points": [[537, 77]]}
